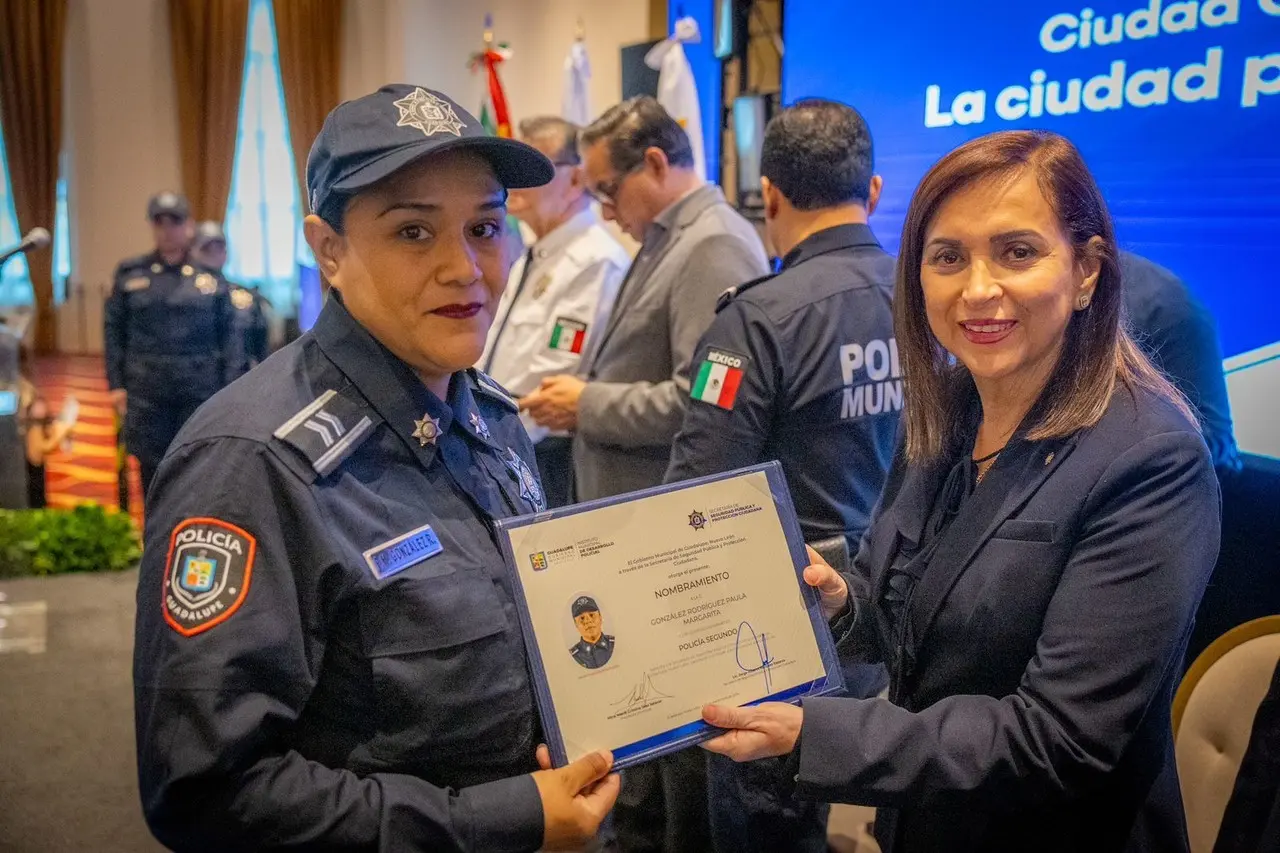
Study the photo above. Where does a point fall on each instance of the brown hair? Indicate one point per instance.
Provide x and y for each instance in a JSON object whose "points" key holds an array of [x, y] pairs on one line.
{"points": [[1097, 351]]}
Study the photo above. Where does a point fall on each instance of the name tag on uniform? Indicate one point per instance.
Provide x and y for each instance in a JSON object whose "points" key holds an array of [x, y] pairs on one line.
{"points": [[400, 553], [140, 282]]}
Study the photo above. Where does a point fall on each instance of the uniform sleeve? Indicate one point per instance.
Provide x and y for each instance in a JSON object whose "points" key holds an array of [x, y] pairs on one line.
{"points": [[730, 432], [231, 337], [1113, 634], [215, 706], [115, 321], [1188, 350], [649, 414]]}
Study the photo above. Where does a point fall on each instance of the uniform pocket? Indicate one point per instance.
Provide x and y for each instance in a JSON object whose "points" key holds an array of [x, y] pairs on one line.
{"points": [[1023, 530], [431, 611], [449, 677]]}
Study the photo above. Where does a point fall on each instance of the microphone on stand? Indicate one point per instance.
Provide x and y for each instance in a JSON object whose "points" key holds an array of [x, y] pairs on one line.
{"points": [[37, 238]]}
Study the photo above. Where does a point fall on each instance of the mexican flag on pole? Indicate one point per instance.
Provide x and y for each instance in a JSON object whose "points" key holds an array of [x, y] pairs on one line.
{"points": [[718, 379], [568, 335], [494, 114]]}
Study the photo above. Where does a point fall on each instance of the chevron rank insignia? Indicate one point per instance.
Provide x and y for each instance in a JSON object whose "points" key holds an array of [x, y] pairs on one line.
{"points": [[327, 431], [488, 386]]}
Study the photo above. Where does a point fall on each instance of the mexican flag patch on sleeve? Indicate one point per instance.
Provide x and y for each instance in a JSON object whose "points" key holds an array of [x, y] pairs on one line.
{"points": [[568, 335], [718, 379]]}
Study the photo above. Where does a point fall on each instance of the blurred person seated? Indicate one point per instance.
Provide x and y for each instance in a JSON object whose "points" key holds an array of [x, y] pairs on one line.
{"points": [[45, 434]]}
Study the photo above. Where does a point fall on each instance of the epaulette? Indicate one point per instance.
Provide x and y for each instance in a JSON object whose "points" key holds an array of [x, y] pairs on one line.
{"points": [[487, 385], [327, 431], [139, 262], [738, 289]]}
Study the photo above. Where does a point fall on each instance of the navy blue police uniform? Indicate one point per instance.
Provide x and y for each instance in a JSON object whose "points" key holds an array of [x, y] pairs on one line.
{"points": [[1178, 333], [808, 374], [328, 654], [251, 324], [801, 367], [593, 655], [590, 655], [169, 342]]}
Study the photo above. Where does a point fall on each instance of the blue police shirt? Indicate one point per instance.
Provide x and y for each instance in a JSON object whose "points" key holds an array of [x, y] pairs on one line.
{"points": [[168, 330], [327, 650], [802, 367]]}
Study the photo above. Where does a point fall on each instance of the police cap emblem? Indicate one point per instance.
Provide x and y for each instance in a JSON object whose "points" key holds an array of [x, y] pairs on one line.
{"points": [[427, 113]]}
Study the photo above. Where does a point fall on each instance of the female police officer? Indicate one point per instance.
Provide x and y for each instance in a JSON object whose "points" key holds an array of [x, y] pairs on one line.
{"points": [[327, 651]]}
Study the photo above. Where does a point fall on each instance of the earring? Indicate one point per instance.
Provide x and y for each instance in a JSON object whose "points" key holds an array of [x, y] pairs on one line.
{"points": [[1083, 301]]}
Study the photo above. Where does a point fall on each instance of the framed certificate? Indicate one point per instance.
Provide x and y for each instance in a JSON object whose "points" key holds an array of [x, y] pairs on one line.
{"points": [[640, 609]]}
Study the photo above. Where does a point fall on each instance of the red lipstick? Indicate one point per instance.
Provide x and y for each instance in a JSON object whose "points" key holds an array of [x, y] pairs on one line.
{"points": [[459, 311]]}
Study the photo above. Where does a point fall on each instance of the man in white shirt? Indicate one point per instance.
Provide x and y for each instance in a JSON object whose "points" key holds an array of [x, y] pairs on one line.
{"points": [[559, 295]]}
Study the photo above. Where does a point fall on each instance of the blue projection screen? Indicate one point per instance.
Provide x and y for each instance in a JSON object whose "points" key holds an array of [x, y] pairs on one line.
{"points": [[1175, 106]]}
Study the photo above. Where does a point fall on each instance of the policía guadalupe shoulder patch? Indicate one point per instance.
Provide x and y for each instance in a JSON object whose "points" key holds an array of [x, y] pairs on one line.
{"points": [[207, 574]]}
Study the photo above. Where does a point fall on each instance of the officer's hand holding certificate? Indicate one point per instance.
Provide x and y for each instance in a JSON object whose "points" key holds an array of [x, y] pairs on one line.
{"points": [[641, 610]]}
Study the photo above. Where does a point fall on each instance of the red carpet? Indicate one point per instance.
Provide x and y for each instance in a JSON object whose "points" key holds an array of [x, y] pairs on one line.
{"points": [[88, 472]]}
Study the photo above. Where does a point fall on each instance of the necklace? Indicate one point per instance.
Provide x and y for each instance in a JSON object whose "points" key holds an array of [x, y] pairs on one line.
{"points": [[984, 464]]}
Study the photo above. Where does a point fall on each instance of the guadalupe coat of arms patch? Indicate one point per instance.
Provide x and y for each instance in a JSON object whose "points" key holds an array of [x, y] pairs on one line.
{"points": [[208, 572]]}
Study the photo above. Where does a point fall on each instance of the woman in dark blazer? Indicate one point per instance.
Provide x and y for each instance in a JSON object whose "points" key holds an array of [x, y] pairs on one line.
{"points": [[1032, 571]]}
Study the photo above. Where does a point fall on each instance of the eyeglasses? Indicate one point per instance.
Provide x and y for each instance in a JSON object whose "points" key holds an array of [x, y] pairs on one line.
{"points": [[607, 193]]}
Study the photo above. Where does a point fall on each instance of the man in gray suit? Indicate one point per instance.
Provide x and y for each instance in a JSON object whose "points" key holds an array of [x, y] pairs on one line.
{"points": [[638, 164]]}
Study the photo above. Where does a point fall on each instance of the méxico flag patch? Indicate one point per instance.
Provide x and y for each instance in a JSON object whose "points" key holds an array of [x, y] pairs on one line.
{"points": [[568, 335], [718, 379]]}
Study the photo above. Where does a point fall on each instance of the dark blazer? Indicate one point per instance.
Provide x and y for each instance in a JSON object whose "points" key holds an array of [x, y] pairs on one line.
{"points": [[1050, 629]]}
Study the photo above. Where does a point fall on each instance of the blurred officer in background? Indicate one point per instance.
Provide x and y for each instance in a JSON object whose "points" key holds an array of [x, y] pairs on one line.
{"points": [[168, 335], [252, 309], [328, 653], [1180, 336], [802, 367], [560, 293]]}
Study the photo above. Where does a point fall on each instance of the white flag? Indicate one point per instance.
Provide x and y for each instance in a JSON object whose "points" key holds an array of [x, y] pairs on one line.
{"points": [[677, 91], [575, 102]]}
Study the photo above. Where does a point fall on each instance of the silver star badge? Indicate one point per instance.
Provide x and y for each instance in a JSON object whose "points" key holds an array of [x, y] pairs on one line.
{"points": [[427, 113], [478, 424], [426, 430], [530, 488]]}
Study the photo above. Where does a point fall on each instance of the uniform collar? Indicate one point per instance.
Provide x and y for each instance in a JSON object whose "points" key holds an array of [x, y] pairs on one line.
{"points": [[184, 261], [392, 387], [564, 234], [830, 240]]}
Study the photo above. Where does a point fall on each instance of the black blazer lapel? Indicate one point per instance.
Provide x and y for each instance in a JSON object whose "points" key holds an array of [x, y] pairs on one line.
{"points": [[910, 496], [1006, 488]]}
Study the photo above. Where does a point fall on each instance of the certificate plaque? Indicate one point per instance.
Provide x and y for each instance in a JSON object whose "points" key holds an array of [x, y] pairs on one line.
{"points": [[639, 610]]}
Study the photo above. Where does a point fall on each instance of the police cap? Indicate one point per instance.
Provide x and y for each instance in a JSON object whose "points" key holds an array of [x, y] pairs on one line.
{"points": [[209, 232], [168, 204], [367, 139], [584, 604]]}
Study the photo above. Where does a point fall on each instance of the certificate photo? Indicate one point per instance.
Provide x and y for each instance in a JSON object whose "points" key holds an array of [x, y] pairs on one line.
{"points": [[641, 609]]}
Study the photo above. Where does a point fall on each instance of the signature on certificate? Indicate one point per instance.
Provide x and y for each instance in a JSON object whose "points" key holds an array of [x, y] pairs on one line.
{"points": [[757, 650], [642, 692]]}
